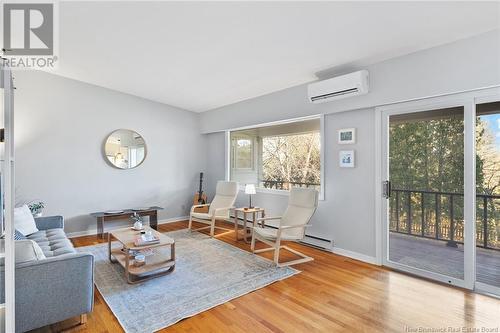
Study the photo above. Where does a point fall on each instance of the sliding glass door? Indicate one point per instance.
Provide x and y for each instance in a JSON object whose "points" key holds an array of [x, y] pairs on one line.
{"points": [[424, 169], [488, 196], [440, 173], [426, 205]]}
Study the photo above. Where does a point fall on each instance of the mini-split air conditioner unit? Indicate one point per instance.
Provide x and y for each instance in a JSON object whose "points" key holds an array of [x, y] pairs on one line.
{"points": [[353, 84]]}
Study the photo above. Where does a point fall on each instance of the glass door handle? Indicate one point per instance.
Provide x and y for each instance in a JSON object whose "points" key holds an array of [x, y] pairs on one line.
{"points": [[386, 189]]}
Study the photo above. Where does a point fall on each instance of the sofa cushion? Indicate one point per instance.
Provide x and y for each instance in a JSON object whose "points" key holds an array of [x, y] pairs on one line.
{"points": [[24, 221], [26, 250], [53, 242]]}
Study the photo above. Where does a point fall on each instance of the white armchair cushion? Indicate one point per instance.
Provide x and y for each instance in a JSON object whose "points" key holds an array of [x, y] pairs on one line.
{"points": [[24, 221], [225, 196], [203, 216], [301, 207], [207, 216], [272, 234], [303, 197], [221, 202], [224, 188]]}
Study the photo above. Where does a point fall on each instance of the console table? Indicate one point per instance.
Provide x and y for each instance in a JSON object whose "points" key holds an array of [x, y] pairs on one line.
{"points": [[102, 217]]}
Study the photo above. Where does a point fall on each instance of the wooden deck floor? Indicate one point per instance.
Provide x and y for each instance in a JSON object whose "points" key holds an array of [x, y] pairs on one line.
{"points": [[331, 294], [435, 256]]}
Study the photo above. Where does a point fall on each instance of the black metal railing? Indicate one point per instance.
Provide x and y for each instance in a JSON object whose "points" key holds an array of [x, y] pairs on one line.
{"points": [[285, 185], [440, 215]]}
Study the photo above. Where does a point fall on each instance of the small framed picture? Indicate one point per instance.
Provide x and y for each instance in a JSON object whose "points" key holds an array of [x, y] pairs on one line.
{"points": [[346, 158], [347, 136]]}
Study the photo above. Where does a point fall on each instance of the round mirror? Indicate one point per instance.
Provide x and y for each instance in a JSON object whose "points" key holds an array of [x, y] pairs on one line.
{"points": [[125, 149]]}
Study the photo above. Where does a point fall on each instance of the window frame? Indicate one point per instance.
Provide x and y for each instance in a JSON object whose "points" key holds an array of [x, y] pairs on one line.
{"points": [[229, 162], [252, 153]]}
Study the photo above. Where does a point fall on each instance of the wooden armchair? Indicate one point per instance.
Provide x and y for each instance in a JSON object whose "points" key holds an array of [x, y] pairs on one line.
{"points": [[223, 202], [301, 207]]}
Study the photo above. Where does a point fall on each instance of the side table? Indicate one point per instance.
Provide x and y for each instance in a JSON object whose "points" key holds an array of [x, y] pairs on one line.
{"points": [[245, 211]]}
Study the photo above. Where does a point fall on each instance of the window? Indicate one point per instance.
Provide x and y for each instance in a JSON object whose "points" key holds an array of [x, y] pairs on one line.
{"points": [[278, 157], [242, 152]]}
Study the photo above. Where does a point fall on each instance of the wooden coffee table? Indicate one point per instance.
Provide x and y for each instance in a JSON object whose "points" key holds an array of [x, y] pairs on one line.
{"points": [[157, 264]]}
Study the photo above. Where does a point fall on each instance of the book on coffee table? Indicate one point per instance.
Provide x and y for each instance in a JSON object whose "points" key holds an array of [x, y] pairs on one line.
{"points": [[158, 262], [143, 240]]}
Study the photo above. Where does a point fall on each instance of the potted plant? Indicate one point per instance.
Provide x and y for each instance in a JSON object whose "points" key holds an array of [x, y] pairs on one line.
{"points": [[36, 208], [137, 219]]}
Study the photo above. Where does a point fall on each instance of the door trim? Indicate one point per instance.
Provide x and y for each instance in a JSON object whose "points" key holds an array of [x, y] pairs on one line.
{"points": [[379, 250], [8, 191], [469, 193], [488, 289], [492, 95]]}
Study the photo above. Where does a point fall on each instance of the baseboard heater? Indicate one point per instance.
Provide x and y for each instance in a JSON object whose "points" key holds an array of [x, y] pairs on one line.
{"points": [[309, 240], [322, 243]]}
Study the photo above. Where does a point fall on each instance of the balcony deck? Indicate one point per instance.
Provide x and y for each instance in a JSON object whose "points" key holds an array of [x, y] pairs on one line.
{"points": [[435, 256]]}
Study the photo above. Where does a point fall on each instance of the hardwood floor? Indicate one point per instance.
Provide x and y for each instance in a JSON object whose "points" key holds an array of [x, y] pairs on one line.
{"points": [[332, 294]]}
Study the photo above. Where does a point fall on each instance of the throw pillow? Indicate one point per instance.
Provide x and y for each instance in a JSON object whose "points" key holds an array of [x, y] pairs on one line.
{"points": [[24, 221], [18, 235]]}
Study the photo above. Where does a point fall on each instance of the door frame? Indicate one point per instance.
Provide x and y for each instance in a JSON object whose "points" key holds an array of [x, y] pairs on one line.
{"points": [[494, 96], [468, 100], [7, 188], [490, 93]]}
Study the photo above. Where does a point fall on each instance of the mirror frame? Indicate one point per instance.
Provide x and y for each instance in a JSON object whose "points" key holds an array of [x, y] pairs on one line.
{"points": [[106, 156]]}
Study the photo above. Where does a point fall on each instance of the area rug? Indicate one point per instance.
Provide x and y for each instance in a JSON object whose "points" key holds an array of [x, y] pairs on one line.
{"points": [[208, 272]]}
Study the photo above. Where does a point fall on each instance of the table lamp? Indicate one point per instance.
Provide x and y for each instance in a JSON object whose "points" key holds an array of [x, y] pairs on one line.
{"points": [[250, 189]]}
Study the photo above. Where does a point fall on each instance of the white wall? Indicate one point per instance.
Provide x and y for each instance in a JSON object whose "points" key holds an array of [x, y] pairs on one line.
{"points": [[215, 162], [347, 215], [61, 125], [60, 128], [459, 66]]}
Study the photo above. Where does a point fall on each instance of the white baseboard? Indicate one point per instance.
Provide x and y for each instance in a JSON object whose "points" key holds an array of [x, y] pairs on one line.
{"points": [[355, 255], [91, 232], [81, 233], [174, 219]]}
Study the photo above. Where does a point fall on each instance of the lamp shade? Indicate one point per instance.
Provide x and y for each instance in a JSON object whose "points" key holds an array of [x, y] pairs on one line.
{"points": [[249, 189]]}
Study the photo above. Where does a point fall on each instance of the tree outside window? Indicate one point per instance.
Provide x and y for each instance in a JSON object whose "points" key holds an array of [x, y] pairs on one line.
{"points": [[278, 157]]}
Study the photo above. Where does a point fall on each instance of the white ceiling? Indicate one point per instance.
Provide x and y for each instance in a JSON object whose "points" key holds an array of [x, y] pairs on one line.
{"points": [[200, 56]]}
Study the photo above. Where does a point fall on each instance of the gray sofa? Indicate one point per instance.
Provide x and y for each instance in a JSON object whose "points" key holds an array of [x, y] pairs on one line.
{"points": [[56, 288]]}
